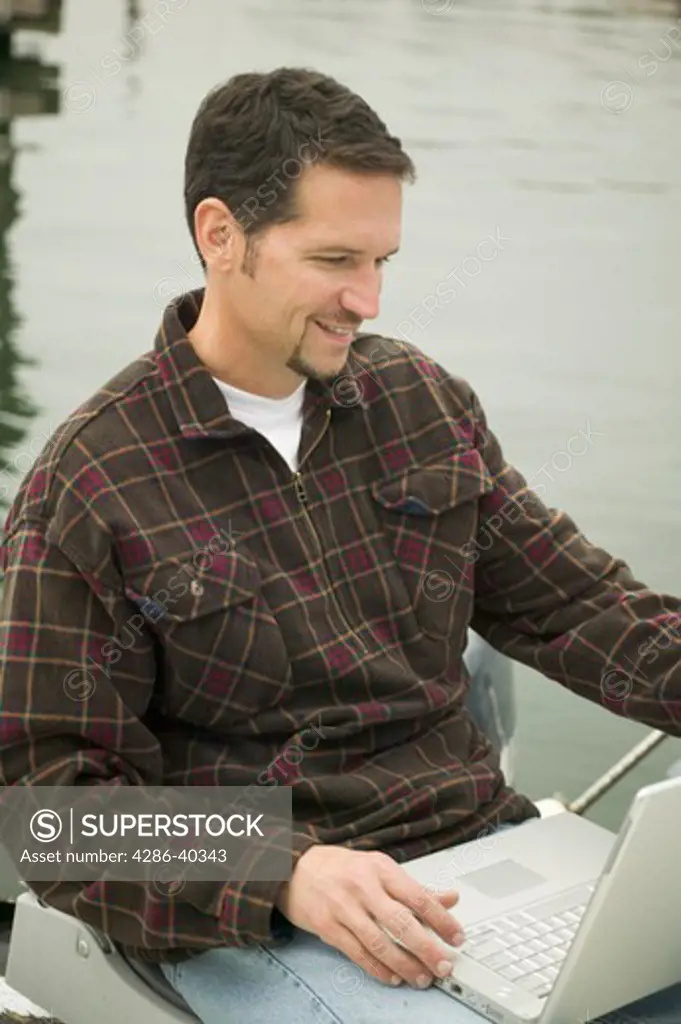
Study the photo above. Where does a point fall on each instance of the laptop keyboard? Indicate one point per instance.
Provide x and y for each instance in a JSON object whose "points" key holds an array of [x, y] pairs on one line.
{"points": [[528, 946]]}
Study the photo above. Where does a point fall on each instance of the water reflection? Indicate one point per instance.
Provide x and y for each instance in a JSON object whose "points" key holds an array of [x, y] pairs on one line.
{"points": [[28, 88]]}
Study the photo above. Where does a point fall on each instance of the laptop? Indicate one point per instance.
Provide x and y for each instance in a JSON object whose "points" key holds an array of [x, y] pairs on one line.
{"points": [[564, 920]]}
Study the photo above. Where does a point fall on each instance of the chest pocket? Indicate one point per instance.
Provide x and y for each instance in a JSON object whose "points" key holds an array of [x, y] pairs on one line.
{"points": [[430, 516], [225, 659]]}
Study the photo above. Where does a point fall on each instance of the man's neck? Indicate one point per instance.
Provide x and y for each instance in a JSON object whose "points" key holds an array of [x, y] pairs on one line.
{"points": [[233, 359]]}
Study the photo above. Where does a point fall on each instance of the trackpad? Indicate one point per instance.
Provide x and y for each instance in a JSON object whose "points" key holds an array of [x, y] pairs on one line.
{"points": [[503, 879]]}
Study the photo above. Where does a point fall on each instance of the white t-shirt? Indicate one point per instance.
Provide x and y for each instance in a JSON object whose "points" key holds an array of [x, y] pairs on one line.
{"points": [[280, 420]]}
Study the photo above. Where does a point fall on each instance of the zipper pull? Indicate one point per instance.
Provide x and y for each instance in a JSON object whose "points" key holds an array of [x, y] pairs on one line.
{"points": [[301, 493]]}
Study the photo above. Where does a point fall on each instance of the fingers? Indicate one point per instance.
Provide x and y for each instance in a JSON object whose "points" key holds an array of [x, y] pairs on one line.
{"points": [[406, 930], [401, 913], [348, 943], [431, 908], [384, 954], [448, 899]]}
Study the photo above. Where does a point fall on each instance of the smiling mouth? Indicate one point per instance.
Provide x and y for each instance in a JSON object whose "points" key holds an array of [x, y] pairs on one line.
{"points": [[336, 331]]}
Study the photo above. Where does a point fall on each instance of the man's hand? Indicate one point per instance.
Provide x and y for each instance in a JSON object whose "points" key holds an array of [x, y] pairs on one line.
{"points": [[348, 897]]}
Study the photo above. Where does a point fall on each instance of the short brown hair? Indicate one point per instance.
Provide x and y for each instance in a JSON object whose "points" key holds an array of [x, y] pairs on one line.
{"points": [[256, 129]]}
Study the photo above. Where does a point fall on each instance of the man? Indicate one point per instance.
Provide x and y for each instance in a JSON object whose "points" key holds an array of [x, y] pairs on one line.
{"points": [[302, 521]]}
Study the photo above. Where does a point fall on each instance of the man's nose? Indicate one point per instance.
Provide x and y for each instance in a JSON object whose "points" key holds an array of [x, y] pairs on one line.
{"points": [[362, 297]]}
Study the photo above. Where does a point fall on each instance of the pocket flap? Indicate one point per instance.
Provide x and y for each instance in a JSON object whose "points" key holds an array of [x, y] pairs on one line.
{"points": [[180, 589], [428, 490]]}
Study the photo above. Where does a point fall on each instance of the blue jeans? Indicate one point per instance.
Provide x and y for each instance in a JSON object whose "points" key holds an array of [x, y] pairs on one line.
{"points": [[308, 982]]}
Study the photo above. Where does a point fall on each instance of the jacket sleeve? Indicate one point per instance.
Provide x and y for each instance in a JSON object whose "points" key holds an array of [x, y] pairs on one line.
{"points": [[548, 597], [71, 718]]}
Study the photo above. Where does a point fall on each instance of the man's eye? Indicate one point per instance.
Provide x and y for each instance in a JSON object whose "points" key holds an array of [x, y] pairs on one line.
{"points": [[342, 259]]}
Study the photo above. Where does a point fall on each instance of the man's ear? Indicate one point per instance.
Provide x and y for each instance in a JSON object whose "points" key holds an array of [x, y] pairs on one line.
{"points": [[214, 231], [224, 237]]}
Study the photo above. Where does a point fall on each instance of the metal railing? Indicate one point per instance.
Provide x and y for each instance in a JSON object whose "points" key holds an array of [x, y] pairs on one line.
{"points": [[596, 790]]}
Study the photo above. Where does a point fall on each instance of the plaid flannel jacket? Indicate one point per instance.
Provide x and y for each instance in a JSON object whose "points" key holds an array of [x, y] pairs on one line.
{"points": [[221, 611]]}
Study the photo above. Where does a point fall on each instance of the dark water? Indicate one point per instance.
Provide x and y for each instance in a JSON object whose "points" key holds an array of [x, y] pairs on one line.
{"points": [[548, 141]]}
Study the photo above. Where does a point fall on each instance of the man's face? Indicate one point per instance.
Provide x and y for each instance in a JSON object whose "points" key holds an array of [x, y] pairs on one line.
{"points": [[324, 268]]}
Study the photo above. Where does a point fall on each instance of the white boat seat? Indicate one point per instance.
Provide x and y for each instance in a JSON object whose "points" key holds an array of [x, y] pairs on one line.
{"points": [[491, 699], [78, 976]]}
